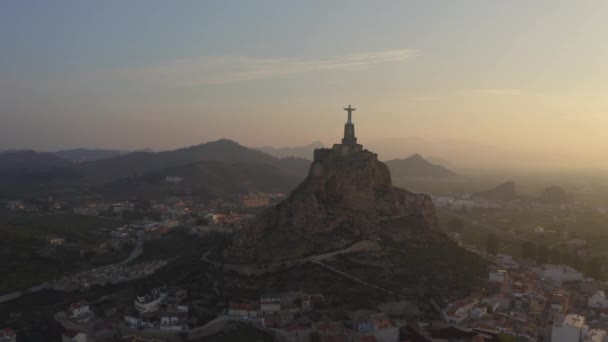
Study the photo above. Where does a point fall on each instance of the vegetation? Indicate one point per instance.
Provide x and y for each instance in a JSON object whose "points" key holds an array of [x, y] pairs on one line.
{"points": [[25, 253]]}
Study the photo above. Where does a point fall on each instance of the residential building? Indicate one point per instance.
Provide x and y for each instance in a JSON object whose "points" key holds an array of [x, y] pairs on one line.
{"points": [[79, 312], [243, 309], [558, 273], [598, 300], [595, 335], [499, 276], [173, 321], [569, 328], [74, 336], [151, 301], [457, 312], [8, 335], [270, 304]]}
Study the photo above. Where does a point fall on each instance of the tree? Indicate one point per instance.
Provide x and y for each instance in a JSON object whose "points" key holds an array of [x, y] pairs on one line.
{"points": [[492, 245], [529, 250], [542, 255], [555, 255], [594, 268]]}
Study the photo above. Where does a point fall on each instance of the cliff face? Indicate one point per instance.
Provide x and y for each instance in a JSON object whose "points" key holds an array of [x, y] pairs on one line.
{"points": [[346, 195]]}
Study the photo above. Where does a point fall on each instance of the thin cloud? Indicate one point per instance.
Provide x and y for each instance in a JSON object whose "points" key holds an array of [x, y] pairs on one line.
{"points": [[229, 69]]}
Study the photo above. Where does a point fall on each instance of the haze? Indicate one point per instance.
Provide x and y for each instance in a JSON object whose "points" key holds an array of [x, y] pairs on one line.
{"points": [[509, 84]]}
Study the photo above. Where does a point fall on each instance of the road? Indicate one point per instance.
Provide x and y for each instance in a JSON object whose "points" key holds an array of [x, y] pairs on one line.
{"points": [[139, 248]]}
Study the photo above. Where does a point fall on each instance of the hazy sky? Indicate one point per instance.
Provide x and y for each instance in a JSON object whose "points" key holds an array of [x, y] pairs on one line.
{"points": [[527, 77]]}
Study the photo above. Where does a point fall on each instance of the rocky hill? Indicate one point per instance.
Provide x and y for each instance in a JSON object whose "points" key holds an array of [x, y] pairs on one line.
{"points": [[416, 166], [345, 198]]}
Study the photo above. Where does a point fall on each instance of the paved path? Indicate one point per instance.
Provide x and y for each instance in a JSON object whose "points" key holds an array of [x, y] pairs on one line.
{"points": [[250, 269], [362, 282]]}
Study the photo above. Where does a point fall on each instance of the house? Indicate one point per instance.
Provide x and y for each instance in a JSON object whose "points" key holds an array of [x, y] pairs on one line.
{"points": [[309, 301], [457, 312], [568, 328], [270, 304], [8, 335], [79, 312], [243, 309], [74, 336], [595, 335], [151, 301], [598, 300], [557, 273], [499, 276], [173, 321], [56, 241], [136, 321]]}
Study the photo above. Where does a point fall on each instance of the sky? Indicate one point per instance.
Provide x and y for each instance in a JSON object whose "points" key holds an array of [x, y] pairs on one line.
{"points": [[526, 79]]}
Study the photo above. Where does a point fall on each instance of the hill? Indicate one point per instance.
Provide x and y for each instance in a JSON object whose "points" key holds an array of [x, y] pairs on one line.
{"points": [[32, 166], [503, 192], [416, 166], [556, 195], [305, 151], [138, 163], [79, 155], [348, 217], [205, 178], [26, 173]]}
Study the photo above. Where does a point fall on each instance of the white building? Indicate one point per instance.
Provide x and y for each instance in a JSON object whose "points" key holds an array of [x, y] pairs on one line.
{"points": [[569, 328], [172, 321], [558, 273], [79, 312], [595, 335], [598, 300], [270, 304], [8, 335], [74, 336], [151, 301], [499, 276]]}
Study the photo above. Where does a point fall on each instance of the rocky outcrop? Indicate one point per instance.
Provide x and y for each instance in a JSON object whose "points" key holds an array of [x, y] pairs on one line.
{"points": [[346, 195]]}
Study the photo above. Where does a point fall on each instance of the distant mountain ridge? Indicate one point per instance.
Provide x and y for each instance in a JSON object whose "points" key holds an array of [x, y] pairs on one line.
{"points": [[503, 192], [305, 151], [79, 155], [416, 166], [94, 174]]}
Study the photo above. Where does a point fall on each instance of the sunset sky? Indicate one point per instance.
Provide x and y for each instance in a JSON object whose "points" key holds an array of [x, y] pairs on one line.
{"points": [[528, 78]]}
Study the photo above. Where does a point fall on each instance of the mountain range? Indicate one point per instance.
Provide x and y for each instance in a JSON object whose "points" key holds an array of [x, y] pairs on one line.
{"points": [[42, 172], [416, 166], [305, 151]]}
